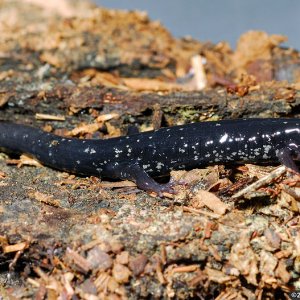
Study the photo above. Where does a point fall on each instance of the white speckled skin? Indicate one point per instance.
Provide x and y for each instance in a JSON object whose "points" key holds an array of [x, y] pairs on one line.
{"points": [[155, 153]]}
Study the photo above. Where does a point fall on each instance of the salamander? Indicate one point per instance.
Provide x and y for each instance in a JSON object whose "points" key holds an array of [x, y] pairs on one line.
{"points": [[142, 156]]}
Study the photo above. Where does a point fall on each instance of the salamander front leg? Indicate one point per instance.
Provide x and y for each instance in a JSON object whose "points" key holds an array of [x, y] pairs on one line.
{"points": [[287, 155], [137, 174]]}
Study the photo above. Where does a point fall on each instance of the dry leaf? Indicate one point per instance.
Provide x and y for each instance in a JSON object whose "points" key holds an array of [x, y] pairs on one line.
{"points": [[211, 201]]}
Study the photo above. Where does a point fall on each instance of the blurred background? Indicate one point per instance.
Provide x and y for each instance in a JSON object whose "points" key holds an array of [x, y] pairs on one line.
{"points": [[216, 20]]}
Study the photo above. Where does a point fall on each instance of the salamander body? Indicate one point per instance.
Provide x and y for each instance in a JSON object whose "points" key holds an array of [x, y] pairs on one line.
{"points": [[140, 156]]}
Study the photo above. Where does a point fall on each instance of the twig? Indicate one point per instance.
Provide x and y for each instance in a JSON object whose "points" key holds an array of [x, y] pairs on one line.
{"points": [[262, 181]]}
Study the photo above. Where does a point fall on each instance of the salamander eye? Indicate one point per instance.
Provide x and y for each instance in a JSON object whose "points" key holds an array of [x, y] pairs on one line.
{"points": [[294, 150], [296, 154]]}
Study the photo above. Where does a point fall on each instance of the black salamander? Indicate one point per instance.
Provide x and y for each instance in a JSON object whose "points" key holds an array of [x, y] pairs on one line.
{"points": [[141, 156]]}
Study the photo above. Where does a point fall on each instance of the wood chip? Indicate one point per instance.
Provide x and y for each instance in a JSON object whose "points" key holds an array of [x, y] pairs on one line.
{"points": [[217, 276], [138, 264], [159, 274], [78, 260], [113, 131], [41, 274], [4, 98], [84, 129], [66, 280], [24, 160], [117, 184], [287, 200], [201, 212], [44, 198], [282, 272], [267, 265], [107, 117], [99, 259], [33, 282], [15, 247], [244, 258], [273, 238], [211, 201], [147, 84], [185, 269], [102, 281], [49, 117], [123, 258], [88, 287], [214, 251], [297, 244], [121, 273], [198, 279]]}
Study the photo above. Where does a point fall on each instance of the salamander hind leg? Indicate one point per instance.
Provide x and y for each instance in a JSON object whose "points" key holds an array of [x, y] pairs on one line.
{"points": [[287, 155], [134, 172]]}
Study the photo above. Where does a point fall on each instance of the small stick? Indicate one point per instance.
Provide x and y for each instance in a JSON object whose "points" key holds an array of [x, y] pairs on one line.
{"points": [[260, 182]]}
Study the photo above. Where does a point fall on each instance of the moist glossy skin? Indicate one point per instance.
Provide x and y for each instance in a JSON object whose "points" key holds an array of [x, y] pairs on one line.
{"points": [[139, 156]]}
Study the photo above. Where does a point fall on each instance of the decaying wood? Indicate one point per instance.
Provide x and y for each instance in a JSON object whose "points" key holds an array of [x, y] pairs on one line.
{"points": [[81, 71]]}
